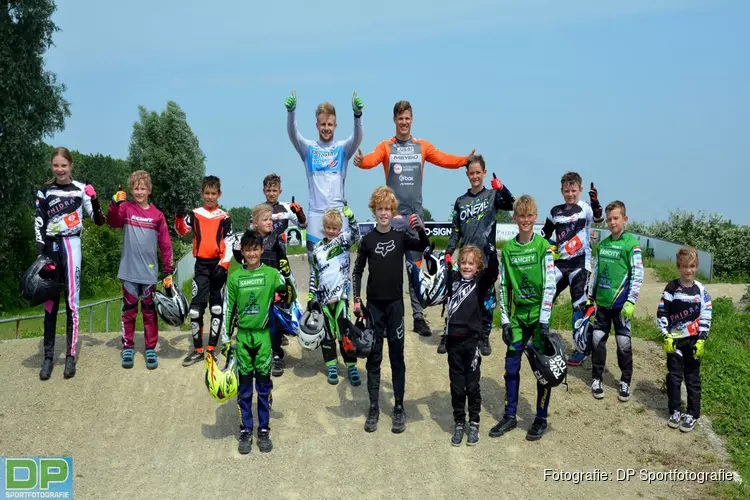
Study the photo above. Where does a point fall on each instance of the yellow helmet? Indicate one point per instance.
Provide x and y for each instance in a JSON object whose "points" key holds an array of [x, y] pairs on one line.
{"points": [[222, 384]]}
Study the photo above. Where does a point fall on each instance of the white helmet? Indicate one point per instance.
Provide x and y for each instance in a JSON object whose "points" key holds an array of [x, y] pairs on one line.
{"points": [[584, 330], [429, 279], [311, 331]]}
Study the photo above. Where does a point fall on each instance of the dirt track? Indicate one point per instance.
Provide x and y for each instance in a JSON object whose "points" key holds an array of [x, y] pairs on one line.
{"points": [[157, 434]]}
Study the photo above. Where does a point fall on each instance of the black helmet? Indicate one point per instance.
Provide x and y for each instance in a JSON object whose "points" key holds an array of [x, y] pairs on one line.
{"points": [[171, 306], [362, 337], [548, 364], [34, 288]]}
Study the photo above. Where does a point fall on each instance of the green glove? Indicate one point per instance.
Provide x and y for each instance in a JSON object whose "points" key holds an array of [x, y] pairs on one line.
{"points": [[310, 296], [698, 350], [628, 309], [669, 344], [357, 104], [555, 253], [291, 102], [348, 212]]}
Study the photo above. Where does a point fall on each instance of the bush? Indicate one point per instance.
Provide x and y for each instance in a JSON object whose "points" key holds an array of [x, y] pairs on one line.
{"points": [[726, 241]]}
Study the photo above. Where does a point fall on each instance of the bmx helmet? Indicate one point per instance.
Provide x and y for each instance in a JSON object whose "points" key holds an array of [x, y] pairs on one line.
{"points": [[584, 330], [171, 306], [363, 338], [548, 363], [430, 279], [311, 332], [221, 384], [288, 320], [36, 289]]}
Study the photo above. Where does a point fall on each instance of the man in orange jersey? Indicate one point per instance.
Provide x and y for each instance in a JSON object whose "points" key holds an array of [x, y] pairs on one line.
{"points": [[403, 158], [210, 226]]}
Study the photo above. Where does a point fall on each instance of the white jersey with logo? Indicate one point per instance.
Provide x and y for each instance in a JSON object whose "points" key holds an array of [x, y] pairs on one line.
{"points": [[329, 272]]}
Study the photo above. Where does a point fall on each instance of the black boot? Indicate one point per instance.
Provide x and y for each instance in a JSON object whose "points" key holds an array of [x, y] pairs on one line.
{"points": [[46, 372], [399, 420], [537, 430], [441, 346], [371, 423], [505, 425], [422, 328], [484, 345], [264, 441], [246, 441], [70, 367]]}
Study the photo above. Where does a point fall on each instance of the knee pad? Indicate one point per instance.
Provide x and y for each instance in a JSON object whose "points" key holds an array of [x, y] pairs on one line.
{"points": [[597, 337], [195, 314], [216, 310], [624, 343], [246, 379]]}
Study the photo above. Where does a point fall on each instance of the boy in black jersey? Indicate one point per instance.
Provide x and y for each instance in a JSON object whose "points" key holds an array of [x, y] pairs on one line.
{"points": [[571, 223], [382, 250], [467, 289], [284, 214], [684, 318]]}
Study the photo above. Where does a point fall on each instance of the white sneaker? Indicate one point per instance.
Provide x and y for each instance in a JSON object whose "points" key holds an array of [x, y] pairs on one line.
{"points": [[624, 393], [597, 389]]}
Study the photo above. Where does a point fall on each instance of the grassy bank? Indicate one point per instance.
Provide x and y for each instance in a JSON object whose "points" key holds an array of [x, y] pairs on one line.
{"points": [[725, 375]]}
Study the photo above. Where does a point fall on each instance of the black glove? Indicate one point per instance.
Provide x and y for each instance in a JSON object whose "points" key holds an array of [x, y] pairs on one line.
{"points": [[312, 304], [545, 329], [507, 334], [358, 308], [218, 276]]}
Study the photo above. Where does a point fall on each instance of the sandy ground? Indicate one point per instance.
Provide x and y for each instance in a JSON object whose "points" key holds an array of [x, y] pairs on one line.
{"points": [[158, 434]]}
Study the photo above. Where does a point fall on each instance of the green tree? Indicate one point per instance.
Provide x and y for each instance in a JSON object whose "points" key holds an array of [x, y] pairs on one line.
{"points": [[31, 107], [427, 215], [504, 217], [240, 217], [164, 145]]}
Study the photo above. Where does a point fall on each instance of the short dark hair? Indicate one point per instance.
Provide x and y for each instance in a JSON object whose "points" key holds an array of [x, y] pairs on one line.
{"points": [[211, 181], [400, 107], [251, 238], [614, 206], [571, 178], [476, 159], [270, 180]]}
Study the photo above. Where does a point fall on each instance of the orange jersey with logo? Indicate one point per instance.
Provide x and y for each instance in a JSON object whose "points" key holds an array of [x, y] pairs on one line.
{"points": [[210, 227], [403, 163]]}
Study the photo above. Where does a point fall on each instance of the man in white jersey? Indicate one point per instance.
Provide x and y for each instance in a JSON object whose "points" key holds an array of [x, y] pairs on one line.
{"points": [[326, 162]]}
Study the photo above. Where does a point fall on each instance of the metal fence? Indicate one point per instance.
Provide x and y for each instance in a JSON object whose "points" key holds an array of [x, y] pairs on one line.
{"points": [[18, 319]]}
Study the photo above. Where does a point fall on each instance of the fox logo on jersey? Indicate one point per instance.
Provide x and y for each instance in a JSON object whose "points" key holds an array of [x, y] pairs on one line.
{"points": [[384, 247]]}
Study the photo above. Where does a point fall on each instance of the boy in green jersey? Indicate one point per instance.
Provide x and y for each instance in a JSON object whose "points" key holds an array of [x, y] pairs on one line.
{"points": [[614, 287], [527, 283], [252, 290]]}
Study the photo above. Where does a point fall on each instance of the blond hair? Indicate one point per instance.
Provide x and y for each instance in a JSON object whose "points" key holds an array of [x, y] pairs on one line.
{"points": [[686, 256], [525, 205], [137, 177], [617, 204], [259, 211], [325, 108], [332, 217], [383, 197], [471, 250]]}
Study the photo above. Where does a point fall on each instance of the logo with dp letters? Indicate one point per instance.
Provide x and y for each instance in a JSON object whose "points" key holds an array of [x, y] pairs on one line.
{"points": [[36, 477]]}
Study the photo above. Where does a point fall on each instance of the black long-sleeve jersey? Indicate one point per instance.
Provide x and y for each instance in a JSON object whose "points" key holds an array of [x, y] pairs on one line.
{"points": [[474, 217], [685, 311], [466, 298], [384, 255], [572, 227]]}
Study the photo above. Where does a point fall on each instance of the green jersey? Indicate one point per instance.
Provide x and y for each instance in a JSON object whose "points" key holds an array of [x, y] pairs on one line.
{"points": [[618, 271], [527, 277], [251, 292]]}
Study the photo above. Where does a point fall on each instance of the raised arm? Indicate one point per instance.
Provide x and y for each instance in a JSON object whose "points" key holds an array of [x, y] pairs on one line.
{"points": [[114, 216], [351, 144], [91, 205], [376, 157], [490, 273], [444, 160], [300, 143]]}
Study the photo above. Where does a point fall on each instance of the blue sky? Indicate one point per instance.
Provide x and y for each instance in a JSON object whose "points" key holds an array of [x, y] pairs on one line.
{"points": [[646, 98]]}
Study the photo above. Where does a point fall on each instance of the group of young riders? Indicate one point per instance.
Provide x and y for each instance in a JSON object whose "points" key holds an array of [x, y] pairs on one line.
{"points": [[245, 280]]}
